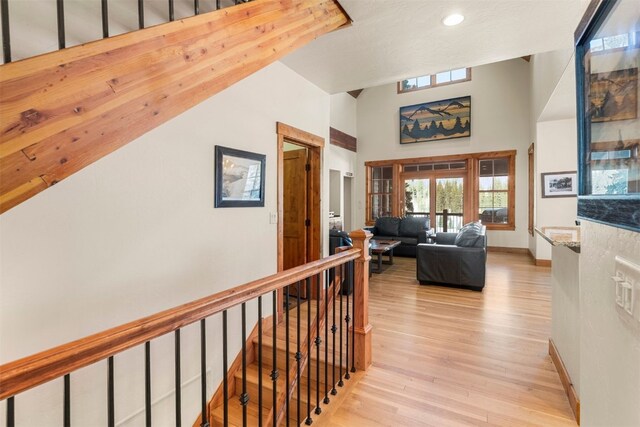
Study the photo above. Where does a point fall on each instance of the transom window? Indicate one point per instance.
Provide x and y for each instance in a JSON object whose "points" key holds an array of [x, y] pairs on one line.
{"points": [[457, 75]]}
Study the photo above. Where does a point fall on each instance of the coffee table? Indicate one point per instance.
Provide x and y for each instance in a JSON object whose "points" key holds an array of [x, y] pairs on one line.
{"points": [[381, 247]]}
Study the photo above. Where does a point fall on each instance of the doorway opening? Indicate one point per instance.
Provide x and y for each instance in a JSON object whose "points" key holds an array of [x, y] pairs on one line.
{"points": [[299, 180]]}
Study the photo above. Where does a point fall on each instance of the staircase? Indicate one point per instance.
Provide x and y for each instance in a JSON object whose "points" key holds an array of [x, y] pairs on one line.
{"points": [[304, 395]]}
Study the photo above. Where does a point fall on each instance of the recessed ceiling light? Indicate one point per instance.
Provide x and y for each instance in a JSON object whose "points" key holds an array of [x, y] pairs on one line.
{"points": [[453, 19]]}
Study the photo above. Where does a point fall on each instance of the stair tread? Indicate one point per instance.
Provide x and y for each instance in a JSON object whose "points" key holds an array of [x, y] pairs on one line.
{"points": [[235, 413], [252, 376]]}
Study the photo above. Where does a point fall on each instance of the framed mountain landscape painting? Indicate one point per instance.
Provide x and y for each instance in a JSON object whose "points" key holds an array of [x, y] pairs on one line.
{"points": [[436, 121]]}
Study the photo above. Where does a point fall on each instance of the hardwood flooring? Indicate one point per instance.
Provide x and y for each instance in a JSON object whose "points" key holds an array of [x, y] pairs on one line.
{"points": [[453, 357]]}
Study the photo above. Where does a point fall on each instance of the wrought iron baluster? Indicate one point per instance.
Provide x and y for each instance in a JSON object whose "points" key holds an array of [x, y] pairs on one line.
{"points": [[347, 318], [260, 361], [318, 341], [308, 421], [60, 14], [326, 337], [204, 410], [147, 383], [172, 15], [196, 7], [105, 19], [287, 357], [343, 273], [178, 380], [298, 352], [274, 371], [140, 14], [334, 329], [11, 412], [6, 33], [225, 381], [67, 401], [111, 411], [244, 397]]}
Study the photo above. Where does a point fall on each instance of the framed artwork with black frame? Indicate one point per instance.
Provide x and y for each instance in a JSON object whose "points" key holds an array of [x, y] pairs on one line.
{"points": [[239, 178], [559, 184], [607, 61]]}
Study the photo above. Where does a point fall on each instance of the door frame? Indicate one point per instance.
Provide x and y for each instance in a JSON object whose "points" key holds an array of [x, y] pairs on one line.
{"points": [[315, 145], [432, 176]]}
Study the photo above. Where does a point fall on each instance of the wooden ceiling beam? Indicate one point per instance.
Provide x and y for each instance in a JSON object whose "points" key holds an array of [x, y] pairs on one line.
{"points": [[64, 110]]}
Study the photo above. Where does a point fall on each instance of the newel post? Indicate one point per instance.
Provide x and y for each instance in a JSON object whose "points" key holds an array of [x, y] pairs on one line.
{"points": [[362, 345]]}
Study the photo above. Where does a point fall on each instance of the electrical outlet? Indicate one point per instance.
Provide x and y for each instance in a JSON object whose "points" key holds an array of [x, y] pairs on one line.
{"points": [[627, 282]]}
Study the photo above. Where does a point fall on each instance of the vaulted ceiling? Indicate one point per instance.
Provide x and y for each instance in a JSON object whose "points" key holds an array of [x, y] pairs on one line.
{"points": [[395, 39]]}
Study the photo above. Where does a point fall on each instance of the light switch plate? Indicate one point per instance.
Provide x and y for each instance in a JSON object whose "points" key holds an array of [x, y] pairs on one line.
{"points": [[627, 278], [273, 218]]}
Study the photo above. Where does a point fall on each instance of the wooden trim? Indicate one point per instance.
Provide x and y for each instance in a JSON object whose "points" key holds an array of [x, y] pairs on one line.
{"points": [[361, 325], [314, 144], [471, 186], [524, 251], [543, 262], [300, 136], [451, 157], [343, 140], [64, 110], [574, 399], [28, 372]]}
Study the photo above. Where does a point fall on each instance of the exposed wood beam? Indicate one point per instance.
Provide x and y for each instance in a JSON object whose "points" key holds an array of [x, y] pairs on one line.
{"points": [[343, 140], [64, 110], [355, 93]]}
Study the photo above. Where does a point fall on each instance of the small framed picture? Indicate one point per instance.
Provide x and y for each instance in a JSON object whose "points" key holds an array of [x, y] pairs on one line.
{"points": [[239, 178], [560, 184]]}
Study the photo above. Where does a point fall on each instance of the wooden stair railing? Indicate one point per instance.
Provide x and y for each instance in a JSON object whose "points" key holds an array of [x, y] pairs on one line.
{"points": [[64, 110], [60, 362]]}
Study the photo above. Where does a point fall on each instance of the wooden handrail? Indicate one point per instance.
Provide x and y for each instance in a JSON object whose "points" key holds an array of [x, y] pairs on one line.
{"points": [[31, 371]]}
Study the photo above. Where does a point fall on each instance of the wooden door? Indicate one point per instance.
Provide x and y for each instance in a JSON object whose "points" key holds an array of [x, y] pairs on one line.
{"points": [[295, 201]]}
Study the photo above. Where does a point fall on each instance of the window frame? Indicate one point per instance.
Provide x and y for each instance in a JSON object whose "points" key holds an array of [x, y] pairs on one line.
{"points": [[510, 225], [432, 79], [472, 171]]}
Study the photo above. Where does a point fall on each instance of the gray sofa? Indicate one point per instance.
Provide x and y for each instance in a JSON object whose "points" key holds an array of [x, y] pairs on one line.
{"points": [[409, 230], [457, 259]]}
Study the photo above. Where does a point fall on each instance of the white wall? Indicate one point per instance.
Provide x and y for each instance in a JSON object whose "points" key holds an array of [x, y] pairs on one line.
{"points": [[565, 309], [547, 100], [555, 151], [343, 118], [609, 340], [499, 121], [137, 232]]}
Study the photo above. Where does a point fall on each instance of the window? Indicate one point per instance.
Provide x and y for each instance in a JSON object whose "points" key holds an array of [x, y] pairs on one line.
{"points": [[493, 191], [619, 41], [380, 192], [432, 80], [448, 189]]}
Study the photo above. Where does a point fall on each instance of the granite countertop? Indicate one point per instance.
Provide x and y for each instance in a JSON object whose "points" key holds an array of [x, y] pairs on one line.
{"points": [[561, 236]]}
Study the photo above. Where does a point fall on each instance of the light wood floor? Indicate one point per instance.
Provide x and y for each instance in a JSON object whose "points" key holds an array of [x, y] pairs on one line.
{"points": [[452, 357]]}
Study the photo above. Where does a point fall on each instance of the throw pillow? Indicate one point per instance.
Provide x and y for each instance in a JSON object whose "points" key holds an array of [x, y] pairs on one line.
{"points": [[468, 236]]}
